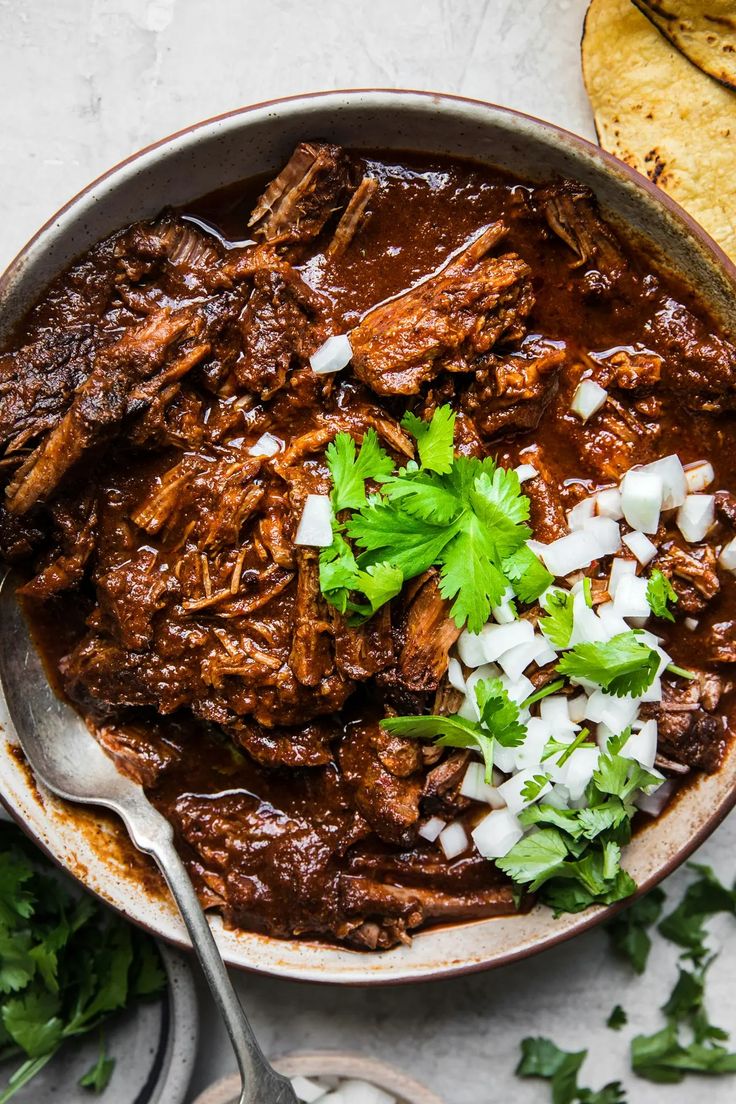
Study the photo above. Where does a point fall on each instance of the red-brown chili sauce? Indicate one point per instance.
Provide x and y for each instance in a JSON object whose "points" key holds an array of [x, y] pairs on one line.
{"points": [[168, 592]]}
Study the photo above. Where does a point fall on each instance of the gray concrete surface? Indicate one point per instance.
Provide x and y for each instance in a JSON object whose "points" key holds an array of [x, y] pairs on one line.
{"points": [[83, 84]]}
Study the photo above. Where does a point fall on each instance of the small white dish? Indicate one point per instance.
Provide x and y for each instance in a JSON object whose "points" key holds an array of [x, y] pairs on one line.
{"points": [[331, 1063]]}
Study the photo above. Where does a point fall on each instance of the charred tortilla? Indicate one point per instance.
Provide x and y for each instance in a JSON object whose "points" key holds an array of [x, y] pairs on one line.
{"points": [[703, 30], [662, 115]]}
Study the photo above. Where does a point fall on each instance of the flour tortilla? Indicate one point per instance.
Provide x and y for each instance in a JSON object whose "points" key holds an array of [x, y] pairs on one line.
{"points": [[662, 115], [703, 30]]}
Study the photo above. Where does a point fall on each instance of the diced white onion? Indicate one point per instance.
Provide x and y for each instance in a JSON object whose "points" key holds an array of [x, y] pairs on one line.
{"points": [[619, 568], [431, 829], [589, 397], [526, 471], [691, 623], [504, 758], [266, 445], [579, 770], [475, 787], [505, 614], [640, 544], [454, 840], [455, 675], [529, 753], [518, 689], [558, 797], [674, 485], [498, 639], [315, 524], [554, 711], [727, 558], [696, 516], [613, 622], [587, 628], [653, 803], [631, 597], [606, 532], [570, 553], [361, 1092], [497, 833], [608, 503], [580, 513], [510, 790], [516, 660], [698, 476], [576, 708], [306, 1090], [334, 355], [641, 500], [615, 713], [642, 745], [653, 693]]}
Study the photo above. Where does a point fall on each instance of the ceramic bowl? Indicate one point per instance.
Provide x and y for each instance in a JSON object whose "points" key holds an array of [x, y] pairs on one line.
{"points": [[331, 1063], [259, 139]]}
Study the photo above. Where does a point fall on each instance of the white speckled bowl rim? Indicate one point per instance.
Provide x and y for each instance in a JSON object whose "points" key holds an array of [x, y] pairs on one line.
{"points": [[326, 1063], [258, 139]]}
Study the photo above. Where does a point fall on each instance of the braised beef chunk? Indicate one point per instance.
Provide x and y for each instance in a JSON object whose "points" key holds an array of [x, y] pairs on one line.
{"points": [[698, 365], [161, 431], [446, 322], [298, 202]]}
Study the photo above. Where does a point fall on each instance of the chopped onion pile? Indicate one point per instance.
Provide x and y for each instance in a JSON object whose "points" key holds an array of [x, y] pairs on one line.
{"points": [[335, 1090], [605, 526]]}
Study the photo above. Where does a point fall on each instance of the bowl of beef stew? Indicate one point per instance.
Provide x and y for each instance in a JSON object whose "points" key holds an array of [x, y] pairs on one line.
{"points": [[367, 460]]}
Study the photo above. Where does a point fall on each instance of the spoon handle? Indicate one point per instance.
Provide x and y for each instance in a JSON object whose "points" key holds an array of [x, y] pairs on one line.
{"points": [[153, 834]]}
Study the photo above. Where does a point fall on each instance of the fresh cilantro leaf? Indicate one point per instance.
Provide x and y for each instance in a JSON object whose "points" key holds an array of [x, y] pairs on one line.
{"points": [[97, 1077], [534, 786], [499, 715], [33, 1021], [470, 575], [17, 965], [499, 721], [498, 502], [535, 858], [423, 495], [388, 534], [542, 1058], [705, 897], [434, 438], [617, 1018], [452, 731], [16, 900], [628, 930], [664, 1059], [350, 471], [601, 818], [147, 976], [527, 574], [622, 665], [659, 592], [567, 820], [557, 626], [591, 880]]}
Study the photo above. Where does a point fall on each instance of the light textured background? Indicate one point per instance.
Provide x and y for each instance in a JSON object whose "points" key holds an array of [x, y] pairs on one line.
{"points": [[83, 84]]}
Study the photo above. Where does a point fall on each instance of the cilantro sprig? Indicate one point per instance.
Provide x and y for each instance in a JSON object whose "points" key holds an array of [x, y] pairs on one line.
{"points": [[542, 1058], [463, 515], [622, 665], [499, 721], [65, 966], [660, 592]]}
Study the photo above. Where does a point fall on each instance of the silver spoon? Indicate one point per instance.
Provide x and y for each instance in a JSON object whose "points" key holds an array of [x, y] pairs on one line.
{"points": [[68, 760]]}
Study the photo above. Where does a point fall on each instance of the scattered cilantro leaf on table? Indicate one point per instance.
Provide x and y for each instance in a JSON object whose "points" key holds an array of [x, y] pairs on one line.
{"points": [[705, 897], [622, 665], [542, 1058], [628, 930], [659, 593], [617, 1018]]}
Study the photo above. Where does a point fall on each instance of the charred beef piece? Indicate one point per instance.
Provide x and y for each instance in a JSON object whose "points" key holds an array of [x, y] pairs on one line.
{"points": [[512, 392], [625, 370], [299, 746], [75, 537], [354, 216], [297, 204], [312, 656], [125, 379], [698, 365], [428, 634], [546, 513], [571, 212], [389, 803], [445, 322], [718, 643], [280, 327]]}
